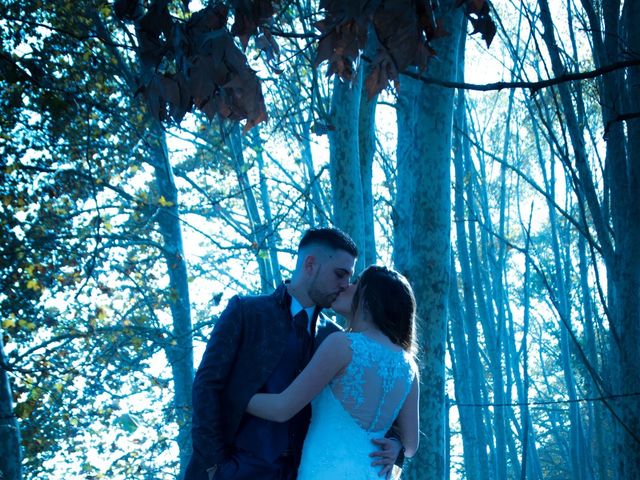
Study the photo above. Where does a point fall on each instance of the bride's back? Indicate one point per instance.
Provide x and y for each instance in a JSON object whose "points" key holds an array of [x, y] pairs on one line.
{"points": [[375, 384]]}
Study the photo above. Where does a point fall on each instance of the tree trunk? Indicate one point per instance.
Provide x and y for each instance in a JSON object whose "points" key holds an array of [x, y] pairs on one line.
{"points": [[10, 456], [463, 384], [180, 349], [270, 235], [580, 458], [258, 230], [319, 211], [429, 234], [622, 168], [489, 310], [407, 157], [367, 149], [626, 290], [346, 179], [596, 414], [476, 463]]}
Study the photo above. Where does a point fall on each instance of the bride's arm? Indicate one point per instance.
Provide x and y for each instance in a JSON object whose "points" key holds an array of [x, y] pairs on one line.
{"points": [[331, 357], [409, 420]]}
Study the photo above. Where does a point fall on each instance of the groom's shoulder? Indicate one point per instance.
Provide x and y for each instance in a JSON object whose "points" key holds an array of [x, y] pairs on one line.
{"points": [[264, 300]]}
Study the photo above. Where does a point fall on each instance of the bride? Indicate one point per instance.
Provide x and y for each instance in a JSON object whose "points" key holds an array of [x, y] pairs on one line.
{"points": [[359, 382]]}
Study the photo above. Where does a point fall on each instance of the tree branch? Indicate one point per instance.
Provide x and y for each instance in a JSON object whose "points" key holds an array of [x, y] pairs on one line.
{"points": [[533, 86]]}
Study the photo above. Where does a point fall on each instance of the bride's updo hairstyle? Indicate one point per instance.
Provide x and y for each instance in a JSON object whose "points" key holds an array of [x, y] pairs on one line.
{"points": [[389, 299]]}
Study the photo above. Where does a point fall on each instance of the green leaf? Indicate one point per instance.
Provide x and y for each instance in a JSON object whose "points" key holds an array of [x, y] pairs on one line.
{"points": [[128, 422]]}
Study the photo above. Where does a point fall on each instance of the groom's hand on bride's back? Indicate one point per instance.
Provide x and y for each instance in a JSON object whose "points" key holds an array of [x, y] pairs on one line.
{"points": [[386, 455]]}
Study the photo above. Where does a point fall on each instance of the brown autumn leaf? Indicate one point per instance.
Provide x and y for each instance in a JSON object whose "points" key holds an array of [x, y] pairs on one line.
{"points": [[154, 32], [397, 31], [379, 76], [214, 75], [425, 12], [154, 95], [341, 46], [210, 108], [157, 20], [200, 80], [344, 30], [186, 100], [249, 15], [485, 26], [170, 90]]}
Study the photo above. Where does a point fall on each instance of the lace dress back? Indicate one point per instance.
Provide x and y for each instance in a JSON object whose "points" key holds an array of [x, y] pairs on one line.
{"points": [[356, 407]]}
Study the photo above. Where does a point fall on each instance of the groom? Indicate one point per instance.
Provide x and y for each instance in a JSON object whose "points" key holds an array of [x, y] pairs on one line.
{"points": [[260, 344]]}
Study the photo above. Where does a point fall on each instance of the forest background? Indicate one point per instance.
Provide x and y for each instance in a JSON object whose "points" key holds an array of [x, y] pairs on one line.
{"points": [[501, 181]]}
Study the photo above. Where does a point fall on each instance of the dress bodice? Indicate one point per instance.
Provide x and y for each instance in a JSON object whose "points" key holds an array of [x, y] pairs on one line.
{"points": [[373, 387], [357, 406]]}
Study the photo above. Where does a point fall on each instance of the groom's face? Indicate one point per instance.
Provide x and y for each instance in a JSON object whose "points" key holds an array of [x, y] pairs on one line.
{"points": [[331, 277]]}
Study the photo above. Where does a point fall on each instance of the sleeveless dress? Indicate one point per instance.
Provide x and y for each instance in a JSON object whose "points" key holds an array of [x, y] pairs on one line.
{"points": [[354, 408]]}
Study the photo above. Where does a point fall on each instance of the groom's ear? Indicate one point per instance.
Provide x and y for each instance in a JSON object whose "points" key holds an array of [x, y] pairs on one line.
{"points": [[309, 263]]}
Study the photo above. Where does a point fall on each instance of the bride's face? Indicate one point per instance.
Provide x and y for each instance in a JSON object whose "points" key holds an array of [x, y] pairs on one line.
{"points": [[342, 304]]}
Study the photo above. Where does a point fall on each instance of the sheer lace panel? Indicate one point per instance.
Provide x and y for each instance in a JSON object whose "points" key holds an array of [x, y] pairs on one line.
{"points": [[375, 384]]}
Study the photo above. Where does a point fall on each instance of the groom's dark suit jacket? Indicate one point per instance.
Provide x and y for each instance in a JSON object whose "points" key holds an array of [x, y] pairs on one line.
{"points": [[247, 342]]}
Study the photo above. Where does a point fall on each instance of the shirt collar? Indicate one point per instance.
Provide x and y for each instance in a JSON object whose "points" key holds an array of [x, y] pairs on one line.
{"points": [[296, 307]]}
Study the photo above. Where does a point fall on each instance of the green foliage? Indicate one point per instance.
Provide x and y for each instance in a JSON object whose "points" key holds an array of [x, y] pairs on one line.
{"points": [[76, 211]]}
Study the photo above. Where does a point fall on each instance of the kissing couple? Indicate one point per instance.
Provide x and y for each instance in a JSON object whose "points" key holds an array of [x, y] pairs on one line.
{"points": [[284, 393]]}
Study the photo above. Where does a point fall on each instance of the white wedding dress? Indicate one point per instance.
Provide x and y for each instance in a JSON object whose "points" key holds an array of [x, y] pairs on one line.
{"points": [[356, 407]]}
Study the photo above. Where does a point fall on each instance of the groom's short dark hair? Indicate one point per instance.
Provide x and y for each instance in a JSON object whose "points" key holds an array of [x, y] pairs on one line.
{"points": [[329, 237]]}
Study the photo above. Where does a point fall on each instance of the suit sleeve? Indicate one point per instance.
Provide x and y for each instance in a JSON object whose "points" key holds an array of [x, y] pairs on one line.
{"points": [[209, 384]]}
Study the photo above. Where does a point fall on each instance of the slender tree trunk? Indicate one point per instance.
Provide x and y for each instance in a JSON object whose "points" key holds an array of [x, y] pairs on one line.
{"points": [[482, 292], [366, 149], [490, 318], [407, 157], [524, 395], [595, 410], [270, 235], [463, 383], [258, 232], [580, 465], [476, 462], [10, 455], [180, 349], [346, 178], [318, 215]]}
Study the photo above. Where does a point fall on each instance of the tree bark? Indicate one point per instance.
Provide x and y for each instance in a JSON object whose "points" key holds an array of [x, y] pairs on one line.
{"points": [[10, 455], [429, 233], [180, 349], [346, 178], [366, 150]]}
